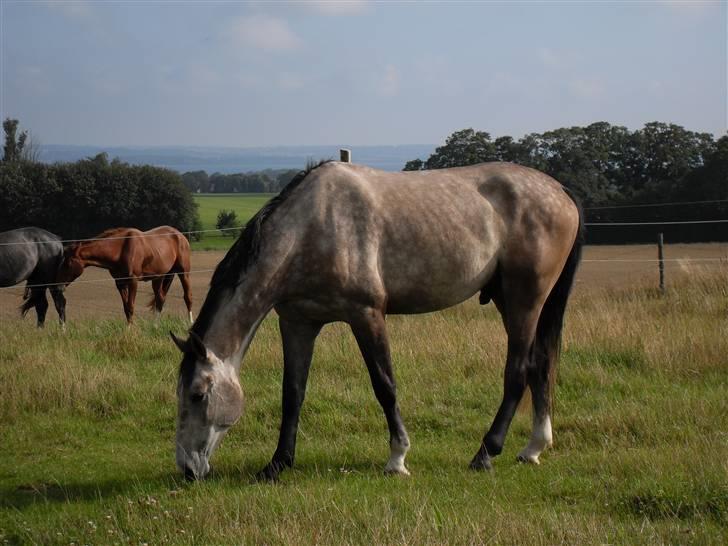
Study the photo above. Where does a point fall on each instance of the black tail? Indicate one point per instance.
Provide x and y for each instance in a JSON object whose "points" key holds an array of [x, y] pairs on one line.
{"points": [[547, 345], [28, 301]]}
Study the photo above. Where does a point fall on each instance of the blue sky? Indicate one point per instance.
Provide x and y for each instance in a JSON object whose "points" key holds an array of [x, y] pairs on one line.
{"points": [[295, 73]]}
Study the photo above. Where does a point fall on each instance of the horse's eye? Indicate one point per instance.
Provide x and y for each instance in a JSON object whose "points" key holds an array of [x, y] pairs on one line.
{"points": [[197, 397]]}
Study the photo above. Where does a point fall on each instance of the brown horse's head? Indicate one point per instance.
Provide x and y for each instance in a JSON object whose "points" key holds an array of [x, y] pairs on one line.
{"points": [[72, 266]]}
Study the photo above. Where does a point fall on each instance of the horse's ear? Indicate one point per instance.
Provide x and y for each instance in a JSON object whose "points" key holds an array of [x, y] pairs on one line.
{"points": [[181, 345], [197, 345]]}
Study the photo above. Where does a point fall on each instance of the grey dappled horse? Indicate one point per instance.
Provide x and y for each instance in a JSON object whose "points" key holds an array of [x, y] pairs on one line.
{"points": [[348, 243], [32, 254]]}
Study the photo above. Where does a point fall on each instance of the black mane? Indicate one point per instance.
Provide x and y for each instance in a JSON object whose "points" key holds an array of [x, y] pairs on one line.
{"points": [[229, 272]]}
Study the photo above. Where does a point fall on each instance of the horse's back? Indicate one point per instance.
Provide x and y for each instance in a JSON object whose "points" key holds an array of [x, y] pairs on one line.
{"points": [[426, 240], [28, 252], [159, 249]]}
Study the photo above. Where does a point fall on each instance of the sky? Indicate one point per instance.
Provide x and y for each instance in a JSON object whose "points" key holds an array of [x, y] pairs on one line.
{"points": [[250, 74]]}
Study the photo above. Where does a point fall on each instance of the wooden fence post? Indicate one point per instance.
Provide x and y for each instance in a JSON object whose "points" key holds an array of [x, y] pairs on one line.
{"points": [[345, 155], [661, 261]]}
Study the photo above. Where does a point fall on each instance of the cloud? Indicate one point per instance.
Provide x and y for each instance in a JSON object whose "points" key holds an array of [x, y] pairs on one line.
{"points": [[387, 84], [337, 7], [290, 81], [587, 88], [80, 10], [549, 58], [262, 32], [694, 6]]}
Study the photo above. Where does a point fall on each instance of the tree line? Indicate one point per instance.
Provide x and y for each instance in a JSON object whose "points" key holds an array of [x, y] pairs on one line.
{"points": [[81, 199], [267, 181], [612, 170]]}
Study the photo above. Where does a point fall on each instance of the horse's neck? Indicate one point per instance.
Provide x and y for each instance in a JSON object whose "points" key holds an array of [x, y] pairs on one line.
{"points": [[231, 318], [100, 253]]}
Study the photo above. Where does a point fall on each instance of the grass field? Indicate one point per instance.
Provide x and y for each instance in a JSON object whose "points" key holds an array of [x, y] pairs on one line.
{"points": [[641, 433], [209, 204]]}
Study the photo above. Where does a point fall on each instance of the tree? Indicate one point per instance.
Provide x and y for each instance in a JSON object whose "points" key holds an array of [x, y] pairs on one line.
{"points": [[665, 154], [14, 143], [227, 221], [465, 147], [196, 181], [709, 181], [414, 165]]}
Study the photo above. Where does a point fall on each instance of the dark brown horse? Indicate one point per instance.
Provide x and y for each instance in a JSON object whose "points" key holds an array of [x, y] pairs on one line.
{"points": [[347, 243], [131, 256]]}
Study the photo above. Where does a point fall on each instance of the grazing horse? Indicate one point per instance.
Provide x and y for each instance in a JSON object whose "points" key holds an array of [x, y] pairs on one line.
{"points": [[34, 255], [348, 243], [131, 256]]}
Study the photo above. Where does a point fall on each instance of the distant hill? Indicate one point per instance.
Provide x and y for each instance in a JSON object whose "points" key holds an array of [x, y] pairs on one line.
{"points": [[236, 160]]}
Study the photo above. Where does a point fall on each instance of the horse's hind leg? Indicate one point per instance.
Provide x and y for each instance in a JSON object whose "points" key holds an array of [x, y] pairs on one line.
{"points": [[184, 278], [59, 300], [298, 340], [520, 316], [127, 290], [158, 297], [541, 436], [371, 335]]}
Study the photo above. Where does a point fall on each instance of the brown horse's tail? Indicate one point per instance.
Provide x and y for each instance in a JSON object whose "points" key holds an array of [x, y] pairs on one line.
{"points": [[547, 345]]}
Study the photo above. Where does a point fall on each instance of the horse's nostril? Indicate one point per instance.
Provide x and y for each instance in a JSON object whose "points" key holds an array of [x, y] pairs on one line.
{"points": [[189, 474]]}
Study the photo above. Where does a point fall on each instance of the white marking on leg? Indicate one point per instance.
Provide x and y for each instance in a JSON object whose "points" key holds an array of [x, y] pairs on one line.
{"points": [[192, 319], [397, 453], [541, 438]]}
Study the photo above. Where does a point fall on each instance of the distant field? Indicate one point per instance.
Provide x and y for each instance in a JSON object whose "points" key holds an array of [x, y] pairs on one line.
{"points": [[210, 204]]}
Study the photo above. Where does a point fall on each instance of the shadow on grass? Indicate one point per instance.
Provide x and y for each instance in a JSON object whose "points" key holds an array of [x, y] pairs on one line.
{"points": [[27, 494], [21, 496]]}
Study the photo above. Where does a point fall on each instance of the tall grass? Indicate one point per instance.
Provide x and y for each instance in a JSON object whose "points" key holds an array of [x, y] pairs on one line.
{"points": [[640, 455]]}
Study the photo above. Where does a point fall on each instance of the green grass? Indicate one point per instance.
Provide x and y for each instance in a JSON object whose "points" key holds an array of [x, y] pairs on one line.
{"points": [[640, 425], [245, 206]]}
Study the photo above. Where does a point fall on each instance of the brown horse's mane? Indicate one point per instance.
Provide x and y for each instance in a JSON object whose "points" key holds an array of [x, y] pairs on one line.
{"points": [[229, 272]]}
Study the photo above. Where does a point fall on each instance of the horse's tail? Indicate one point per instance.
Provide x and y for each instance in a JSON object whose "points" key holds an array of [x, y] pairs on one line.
{"points": [[28, 301], [547, 345]]}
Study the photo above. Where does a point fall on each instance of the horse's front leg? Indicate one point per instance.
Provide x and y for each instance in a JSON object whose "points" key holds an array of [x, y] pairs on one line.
{"points": [[298, 340], [371, 335], [41, 304]]}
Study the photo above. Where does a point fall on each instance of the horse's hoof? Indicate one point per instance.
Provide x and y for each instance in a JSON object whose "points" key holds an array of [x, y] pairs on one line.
{"points": [[524, 457], [270, 473], [481, 463], [396, 471]]}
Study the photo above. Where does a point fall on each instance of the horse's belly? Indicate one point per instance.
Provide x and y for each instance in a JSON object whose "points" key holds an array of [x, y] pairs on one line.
{"points": [[15, 268], [426, 285]]}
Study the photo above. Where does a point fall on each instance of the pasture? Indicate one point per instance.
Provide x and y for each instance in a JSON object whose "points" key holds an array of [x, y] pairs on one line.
{"points": [[245, 206], [87, 420]]}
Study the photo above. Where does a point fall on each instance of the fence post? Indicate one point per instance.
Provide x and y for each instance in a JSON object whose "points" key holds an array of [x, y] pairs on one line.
{"points": [[345, 155], [661, 261]]}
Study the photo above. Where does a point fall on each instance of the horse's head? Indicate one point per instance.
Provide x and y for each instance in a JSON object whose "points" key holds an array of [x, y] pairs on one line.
{"points": [[72, 266], [209, 402]]}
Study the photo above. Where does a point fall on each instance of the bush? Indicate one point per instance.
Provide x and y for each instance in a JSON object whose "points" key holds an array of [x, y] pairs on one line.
{"points": [[227, 220], [81, 199]]}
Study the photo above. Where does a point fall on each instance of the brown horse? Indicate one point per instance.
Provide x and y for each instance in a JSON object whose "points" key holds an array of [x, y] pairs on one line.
{"points": [[131, 256], [347, 243]]}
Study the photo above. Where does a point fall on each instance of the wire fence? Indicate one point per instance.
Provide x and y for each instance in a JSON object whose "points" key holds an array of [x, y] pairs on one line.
{"points": [[117, 238], [145, 278], [633, 256]]}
